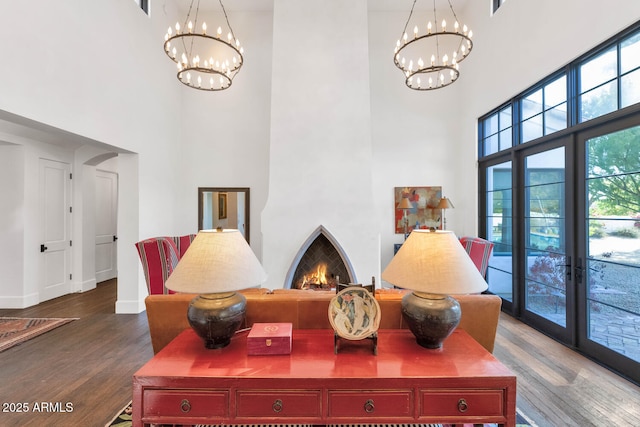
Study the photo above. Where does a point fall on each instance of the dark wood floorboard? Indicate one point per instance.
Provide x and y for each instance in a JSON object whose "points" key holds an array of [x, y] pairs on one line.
{"points": [[89, 363]]}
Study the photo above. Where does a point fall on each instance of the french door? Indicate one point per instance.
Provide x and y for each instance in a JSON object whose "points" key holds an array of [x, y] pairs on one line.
{"points": [[547, 258], [564, 216], [609, 244]]}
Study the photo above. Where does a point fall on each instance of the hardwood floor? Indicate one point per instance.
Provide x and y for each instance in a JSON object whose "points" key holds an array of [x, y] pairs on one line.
{"points": [[559, 387], [89, 363]]}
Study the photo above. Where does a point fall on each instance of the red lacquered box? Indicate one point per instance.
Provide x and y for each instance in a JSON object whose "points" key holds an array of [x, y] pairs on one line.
{"points": [[269, 338]]}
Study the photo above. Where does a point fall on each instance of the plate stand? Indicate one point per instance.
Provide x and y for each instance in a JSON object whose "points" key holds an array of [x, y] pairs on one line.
{"points": [[373, 338]]}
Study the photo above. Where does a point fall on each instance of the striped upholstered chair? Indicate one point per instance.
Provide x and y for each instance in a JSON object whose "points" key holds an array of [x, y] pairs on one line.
{"points": [[479, 250], [159, 257], [183, 243]]}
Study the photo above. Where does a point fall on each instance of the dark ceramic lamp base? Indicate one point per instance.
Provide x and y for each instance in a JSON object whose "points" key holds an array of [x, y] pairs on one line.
{"points": [[217, 317], [431, 318]]}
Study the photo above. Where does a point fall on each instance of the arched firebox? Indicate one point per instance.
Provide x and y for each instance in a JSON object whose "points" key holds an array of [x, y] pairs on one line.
{"points": [[319, 263]]}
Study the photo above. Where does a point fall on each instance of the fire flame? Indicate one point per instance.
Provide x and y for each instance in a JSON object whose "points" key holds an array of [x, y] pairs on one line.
{"points": [[318, 277]]}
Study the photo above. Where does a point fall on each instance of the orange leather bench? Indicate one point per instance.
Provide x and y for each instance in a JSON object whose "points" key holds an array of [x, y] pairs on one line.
{"points": [[306, 309]]}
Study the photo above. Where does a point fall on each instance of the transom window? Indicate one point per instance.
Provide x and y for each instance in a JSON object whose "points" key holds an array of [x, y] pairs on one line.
{"points": [[610, 80], [496, 131], [544, 110], [607, 80]]}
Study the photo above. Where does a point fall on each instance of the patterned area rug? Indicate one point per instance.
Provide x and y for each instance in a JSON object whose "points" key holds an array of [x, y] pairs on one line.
{"points": [[123, 419], [16, 330]]}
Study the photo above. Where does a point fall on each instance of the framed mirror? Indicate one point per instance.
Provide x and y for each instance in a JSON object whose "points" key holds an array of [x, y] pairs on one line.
{"points": [[226, 207]]}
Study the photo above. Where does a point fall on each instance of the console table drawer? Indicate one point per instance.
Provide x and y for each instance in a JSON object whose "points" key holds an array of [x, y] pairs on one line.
{"points": [[374, 404], [277, 403], [462, 402], [208, 403]]}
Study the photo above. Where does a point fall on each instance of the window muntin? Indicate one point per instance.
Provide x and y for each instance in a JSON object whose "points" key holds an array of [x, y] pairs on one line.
{"points": [[599, 70], [544, 110], [500, 229], [630, 70], [630, 54], [496, 131]]}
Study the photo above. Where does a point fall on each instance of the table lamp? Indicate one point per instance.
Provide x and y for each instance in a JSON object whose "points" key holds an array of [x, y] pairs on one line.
{"points": [[217, 263], [444, 204], [405, 205], [434, 265]]}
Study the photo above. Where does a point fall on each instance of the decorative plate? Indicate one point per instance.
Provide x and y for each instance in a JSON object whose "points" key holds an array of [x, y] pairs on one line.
{"points": [[354, 313]]}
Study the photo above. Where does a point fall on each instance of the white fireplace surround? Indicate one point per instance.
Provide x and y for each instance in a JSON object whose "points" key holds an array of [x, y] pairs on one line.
{"points": [[320, 152], [288, 280]]}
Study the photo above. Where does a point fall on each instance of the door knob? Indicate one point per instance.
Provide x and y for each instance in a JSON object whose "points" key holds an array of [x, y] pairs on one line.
{"points": [[43, 248]]}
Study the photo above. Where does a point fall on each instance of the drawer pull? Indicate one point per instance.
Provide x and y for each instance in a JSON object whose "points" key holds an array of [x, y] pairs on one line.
{"points": [[185, 406], [277, 406], [462, 405], [369, 407]]}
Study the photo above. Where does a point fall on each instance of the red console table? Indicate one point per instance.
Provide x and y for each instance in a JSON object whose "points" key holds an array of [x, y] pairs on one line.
{"points": [[404, 383]]}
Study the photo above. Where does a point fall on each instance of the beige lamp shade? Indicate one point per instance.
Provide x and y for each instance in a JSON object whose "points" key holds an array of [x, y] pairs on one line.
{"points": [[434, 262], [445, 203], [217, 261], [405, 203]]}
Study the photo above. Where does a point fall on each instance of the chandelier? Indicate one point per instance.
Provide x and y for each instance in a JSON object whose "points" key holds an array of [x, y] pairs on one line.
{"points": [[205, 61], [430, 59]]}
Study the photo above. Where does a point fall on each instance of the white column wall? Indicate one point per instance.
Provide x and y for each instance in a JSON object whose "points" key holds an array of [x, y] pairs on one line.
{"points": [[320, 145]]}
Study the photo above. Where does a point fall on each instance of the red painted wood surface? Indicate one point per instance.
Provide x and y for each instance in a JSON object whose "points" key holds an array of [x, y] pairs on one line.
{"points": [[461, 382]]}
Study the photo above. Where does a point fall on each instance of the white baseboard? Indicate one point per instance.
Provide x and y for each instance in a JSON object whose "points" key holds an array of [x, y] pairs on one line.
{"points": [[129, 307], [22, 301], [87, 285]]}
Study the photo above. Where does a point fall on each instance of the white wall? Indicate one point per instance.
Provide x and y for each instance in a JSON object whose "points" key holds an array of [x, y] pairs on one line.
{"points": [[85, 67], [12, 212], [415, 133], [224, 138]]}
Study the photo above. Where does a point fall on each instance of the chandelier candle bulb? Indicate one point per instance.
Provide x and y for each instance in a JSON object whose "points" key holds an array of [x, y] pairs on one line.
{"points": [[204, 28]]}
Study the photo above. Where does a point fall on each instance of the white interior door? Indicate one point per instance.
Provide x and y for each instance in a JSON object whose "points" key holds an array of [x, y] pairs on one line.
{"points": [[55, 199], [106, 225]]}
